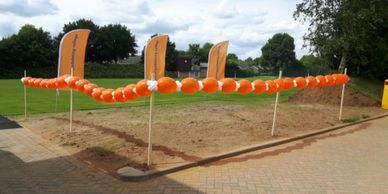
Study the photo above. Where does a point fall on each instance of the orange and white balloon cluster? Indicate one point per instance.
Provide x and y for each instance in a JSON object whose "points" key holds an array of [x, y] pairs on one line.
{"points": [[167, 85]]}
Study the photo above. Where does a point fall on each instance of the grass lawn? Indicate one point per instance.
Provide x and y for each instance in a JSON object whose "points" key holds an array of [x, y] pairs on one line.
{"points": [[43, 100], [371, 88]]}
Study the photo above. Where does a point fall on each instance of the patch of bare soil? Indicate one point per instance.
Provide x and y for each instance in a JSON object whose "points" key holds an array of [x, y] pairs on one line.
{"points": [[332, 95], [112, 138]]}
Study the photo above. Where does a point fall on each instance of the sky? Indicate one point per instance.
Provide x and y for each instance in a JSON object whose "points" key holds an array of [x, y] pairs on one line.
{"points": [[247, 24]]}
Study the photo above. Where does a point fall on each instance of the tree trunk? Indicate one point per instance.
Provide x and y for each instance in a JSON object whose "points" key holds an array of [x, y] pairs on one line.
{"points": [[342, 65]]}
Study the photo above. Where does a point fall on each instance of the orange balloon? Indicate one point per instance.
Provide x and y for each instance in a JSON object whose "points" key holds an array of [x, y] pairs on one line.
{"points": [[88, 89], [346, 78], [142, 88], [97, 93], [338, 79], [189, 85], [43, 83], [245, 86], [342, 78], [31, 82], [60, 82], [128, 92], [312, 81], [228, 85], [300, 82], [166, 85], [271, 86], [53, 83], [259, 86], [288, 83], [25, 80], [37, 82], [107, 96], [118, 95], [210, 85], [279, 85], [322, 80], [330, 80], [72, 82], [81, 84], [50, 84]]}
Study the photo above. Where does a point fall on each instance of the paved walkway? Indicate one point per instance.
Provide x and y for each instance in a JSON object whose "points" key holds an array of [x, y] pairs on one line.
{"points": [[351, 160]]}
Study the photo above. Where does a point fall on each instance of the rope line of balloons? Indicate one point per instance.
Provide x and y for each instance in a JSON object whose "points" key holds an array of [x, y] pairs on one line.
{"points": [[167, 85]]}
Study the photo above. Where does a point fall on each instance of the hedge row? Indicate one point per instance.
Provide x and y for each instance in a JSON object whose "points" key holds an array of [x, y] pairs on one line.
{"points": [[92, 70]]}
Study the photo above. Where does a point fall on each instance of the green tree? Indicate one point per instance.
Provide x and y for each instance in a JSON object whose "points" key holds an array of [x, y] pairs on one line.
{"points": [[249, 61], [257, 61], [194, 53], [204, 51], [231, 66], [171, 56], [114, 42], [314, 63], [348, 32], [30, 47], [278, 53]]}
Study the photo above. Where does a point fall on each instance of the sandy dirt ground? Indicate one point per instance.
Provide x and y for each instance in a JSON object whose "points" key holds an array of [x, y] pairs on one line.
{"points": [[112, 138]]}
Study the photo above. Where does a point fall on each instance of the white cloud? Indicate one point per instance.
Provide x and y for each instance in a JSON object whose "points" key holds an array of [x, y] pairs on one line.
{"points": [[27, 8], [246, 24]]}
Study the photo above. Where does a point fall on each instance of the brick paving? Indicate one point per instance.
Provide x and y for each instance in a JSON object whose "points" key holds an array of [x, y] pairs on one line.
{"points": [[351, 160]]}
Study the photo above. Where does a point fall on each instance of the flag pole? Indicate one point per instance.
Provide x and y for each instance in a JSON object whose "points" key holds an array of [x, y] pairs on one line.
{"points": [[56, 100], [342, 97], [71, 103], [25, 97], [275, 109], [150, 124]]}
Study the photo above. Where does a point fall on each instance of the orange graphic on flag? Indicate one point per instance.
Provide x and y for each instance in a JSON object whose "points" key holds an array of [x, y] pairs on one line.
{"points": [[217, 60], [155, 57], [72, 52]]}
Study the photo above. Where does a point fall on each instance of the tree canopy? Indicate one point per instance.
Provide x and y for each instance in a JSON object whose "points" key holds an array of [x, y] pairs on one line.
{"points": [[348, 33], [34, 47], [31, 47], [316, 64], [204, 51], [106, 43], [278, 53], [114, 42]]}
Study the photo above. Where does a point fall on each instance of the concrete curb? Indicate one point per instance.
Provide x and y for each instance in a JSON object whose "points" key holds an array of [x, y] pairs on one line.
{"points": [[131, 174]]}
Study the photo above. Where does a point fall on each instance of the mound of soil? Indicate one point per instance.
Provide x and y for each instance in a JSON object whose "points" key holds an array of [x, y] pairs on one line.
{"points": [[332, 95]]}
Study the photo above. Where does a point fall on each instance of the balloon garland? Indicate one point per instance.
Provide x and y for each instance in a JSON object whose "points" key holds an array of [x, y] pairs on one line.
{"points": [[167, 85]]}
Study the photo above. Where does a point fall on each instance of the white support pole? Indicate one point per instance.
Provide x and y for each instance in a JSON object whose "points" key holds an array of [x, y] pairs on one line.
{"points": [[150, 123], [275, 109], [71, 104], [25, 97], [342, 97], [56, 100]]}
